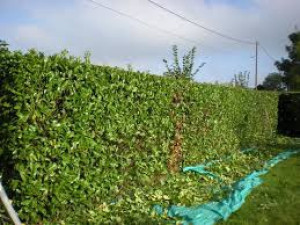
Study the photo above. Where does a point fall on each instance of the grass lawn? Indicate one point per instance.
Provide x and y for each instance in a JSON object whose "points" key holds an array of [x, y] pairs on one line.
{"points": [[276, 201]]}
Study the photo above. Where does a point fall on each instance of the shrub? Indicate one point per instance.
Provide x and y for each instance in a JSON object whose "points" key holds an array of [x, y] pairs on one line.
{"points": [[75, 137], [289, 114]]}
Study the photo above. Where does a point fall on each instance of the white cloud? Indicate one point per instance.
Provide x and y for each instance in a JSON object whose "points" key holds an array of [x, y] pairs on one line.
{"points": [[32, 35], [79, 26]]}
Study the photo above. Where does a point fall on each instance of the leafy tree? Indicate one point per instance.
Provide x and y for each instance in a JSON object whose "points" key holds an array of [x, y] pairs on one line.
{"points": [[260, 87], [274, 82], [186, 70], [291, 66], [241, 79]]}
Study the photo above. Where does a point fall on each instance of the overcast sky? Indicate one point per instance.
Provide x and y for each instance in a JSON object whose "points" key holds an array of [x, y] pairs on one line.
{"points": [[79, 26]]}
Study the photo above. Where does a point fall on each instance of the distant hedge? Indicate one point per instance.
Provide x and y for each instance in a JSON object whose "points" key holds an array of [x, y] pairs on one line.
{"points": [[74, 135], [289, 114]]}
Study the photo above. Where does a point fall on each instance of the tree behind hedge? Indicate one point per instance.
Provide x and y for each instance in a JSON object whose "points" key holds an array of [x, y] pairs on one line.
{"points": [[291, 66]]}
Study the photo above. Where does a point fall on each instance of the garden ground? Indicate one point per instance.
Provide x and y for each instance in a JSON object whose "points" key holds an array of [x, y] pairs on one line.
{"points": [[276, 201]]}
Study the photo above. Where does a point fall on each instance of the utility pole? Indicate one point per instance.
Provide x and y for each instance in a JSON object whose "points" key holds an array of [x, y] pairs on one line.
{"points": [[256, 56]]}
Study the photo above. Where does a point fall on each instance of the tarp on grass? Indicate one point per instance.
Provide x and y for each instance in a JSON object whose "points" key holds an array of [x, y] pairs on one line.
{"points": [[209, 213]]}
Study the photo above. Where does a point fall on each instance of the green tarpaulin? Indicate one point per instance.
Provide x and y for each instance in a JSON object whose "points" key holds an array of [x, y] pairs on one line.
{"points": [[211, 212]]}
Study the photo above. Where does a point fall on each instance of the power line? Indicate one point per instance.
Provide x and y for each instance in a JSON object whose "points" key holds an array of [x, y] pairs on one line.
{"points": [[202, 27], [169, 32], [267, 53], [142, 22]]}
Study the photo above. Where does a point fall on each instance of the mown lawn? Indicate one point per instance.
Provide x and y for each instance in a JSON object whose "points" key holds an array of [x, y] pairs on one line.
{"points": [[276, 201]]}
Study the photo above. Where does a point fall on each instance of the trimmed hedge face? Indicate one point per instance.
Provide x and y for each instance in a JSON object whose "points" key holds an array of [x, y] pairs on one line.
{"points": [[223, 119], [74, 135]]}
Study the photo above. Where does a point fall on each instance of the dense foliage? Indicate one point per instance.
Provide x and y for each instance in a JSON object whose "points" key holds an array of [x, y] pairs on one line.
{"points": [[291, 66], [273, 82], [81, 143], [289, 114]]}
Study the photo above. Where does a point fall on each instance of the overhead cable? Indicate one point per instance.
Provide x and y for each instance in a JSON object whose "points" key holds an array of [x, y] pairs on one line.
{"points": [[142, 22], [267, 53], [201, 26]]}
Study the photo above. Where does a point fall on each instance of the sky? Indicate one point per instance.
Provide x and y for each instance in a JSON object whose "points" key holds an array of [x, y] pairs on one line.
{"points": [[80, 25]]}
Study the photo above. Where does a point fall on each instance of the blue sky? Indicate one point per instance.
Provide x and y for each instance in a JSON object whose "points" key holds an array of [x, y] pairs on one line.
{"points": [[77, 25]]}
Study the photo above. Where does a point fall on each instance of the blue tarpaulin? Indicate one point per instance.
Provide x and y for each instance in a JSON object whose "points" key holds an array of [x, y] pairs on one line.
{"points": [[211, 212]]}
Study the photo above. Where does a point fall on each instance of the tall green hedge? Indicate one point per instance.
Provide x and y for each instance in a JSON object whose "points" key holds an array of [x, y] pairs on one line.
{"points": [[74, 136], [222, 119]]}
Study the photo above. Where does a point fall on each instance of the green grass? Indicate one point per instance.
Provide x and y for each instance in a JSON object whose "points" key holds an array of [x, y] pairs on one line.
{"points": [[276, 201]]}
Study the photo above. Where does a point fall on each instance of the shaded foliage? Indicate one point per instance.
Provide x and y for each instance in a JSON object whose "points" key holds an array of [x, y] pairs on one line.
{"points": [[289, 114], [274, 82], [291, 66]]}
